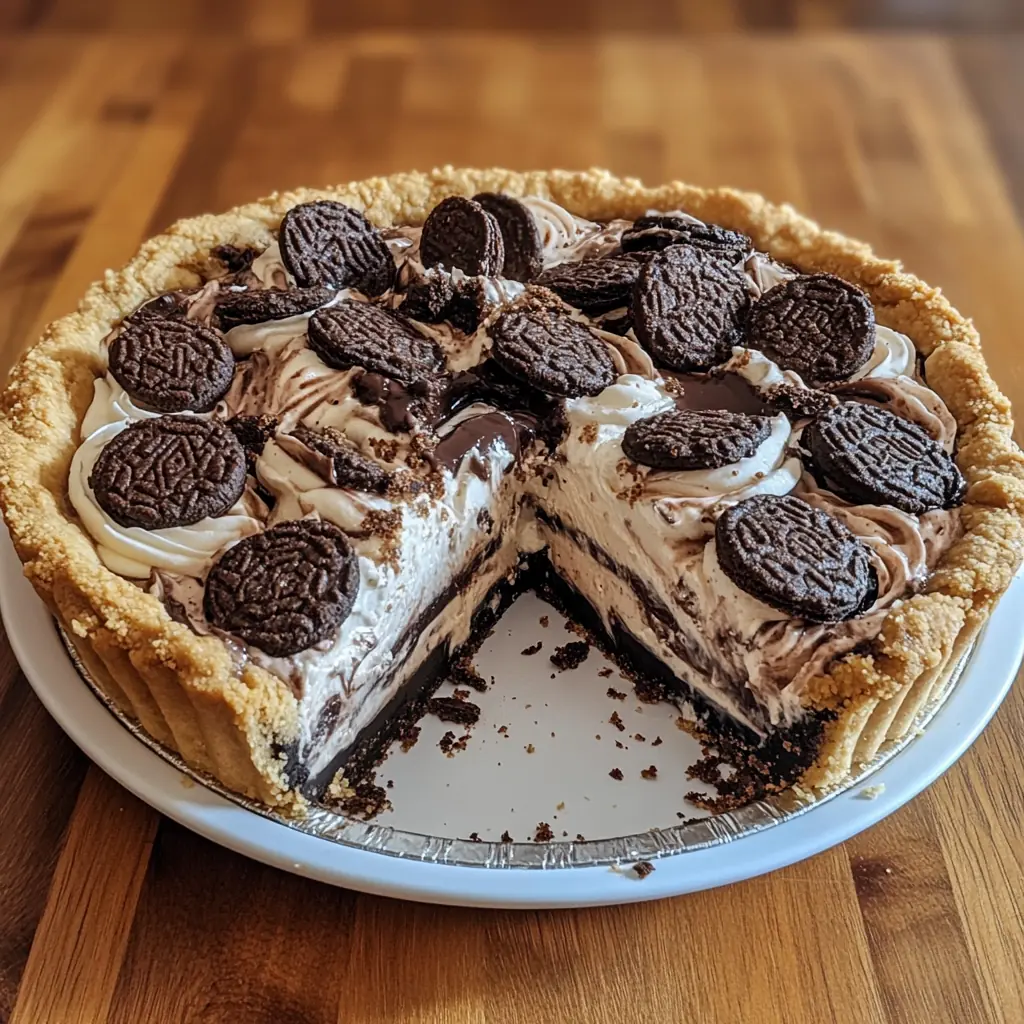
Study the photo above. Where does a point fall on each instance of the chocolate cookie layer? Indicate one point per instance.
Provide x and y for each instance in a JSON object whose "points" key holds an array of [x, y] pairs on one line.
{"points": [[868, 455], [594, 286], [524, 249], [461, 235], [169, 471], [358, 334], [658, 231], [257, 305], [286, 589], [818, 325], [552, 352], [328, 243], [689, 308], [795, 558], [172, 365], [690, 439]]}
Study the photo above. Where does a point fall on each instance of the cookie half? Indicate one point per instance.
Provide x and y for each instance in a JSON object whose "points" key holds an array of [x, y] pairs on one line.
{"points": [[524, 248], [684, 439], [459, 234], [689, 308], [869, 455], [818, 325], [795, 558], [552, 352], [329, 243], [359, 334], [594, 286], [285, 589], [169, 471], [172, 365], [258, 305]]}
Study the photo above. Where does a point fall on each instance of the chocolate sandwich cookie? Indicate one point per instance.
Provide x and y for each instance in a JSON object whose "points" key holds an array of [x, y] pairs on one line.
{"points": [[594, 286], [172, 365], [257, 305], [338, 462], [460, 234], [684, 439], [689, 307], [357, 334], [868, 455], [169, 306], [818, 325], [549, 350], [795, 558], [286, 589], [169, 471], [328, 243], [658, 231], [524, 248]]}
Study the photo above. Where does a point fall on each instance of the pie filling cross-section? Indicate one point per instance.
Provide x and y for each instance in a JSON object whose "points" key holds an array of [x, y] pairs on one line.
{"points": [[342, 452]]}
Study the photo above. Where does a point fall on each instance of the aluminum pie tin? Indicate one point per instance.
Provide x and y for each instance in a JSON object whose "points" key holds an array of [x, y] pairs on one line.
{"points": [[331, 826]]}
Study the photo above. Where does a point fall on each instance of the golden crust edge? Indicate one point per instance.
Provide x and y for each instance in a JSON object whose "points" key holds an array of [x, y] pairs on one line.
{"points": [[230, 723]]}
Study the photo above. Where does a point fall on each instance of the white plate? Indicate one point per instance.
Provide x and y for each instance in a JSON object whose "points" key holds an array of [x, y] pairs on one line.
{"points": [[982, 687]]}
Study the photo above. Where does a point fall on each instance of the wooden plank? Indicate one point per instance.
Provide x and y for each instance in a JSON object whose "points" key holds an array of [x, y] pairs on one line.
{"points": [[80, 942]]}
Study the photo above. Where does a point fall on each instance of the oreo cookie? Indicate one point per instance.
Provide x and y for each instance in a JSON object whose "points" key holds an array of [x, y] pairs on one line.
{"points": [[169, 471], [594, 286], [338, 462], [868, 455], [524, 248], [172, 365], [795, 558], [689, 308], [358, 334], [328, 243], [257, 305], [817, 324], [459, 234], [552, 352], [169, 306], [285, 589], [683, 439], [658, 231]]}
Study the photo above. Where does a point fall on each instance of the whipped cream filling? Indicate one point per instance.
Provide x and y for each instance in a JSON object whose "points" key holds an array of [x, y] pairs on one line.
{"points": [[130, 550]]}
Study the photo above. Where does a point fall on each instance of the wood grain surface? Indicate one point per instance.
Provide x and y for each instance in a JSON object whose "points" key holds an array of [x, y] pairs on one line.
{"points": [[119, 117]]}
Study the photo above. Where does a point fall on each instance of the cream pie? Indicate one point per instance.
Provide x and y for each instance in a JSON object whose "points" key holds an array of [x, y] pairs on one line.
{"points": [[279, 472]]}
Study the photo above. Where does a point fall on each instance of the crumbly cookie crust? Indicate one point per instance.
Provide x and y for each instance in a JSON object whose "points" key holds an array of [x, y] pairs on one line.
{"points": [[185, 689]]}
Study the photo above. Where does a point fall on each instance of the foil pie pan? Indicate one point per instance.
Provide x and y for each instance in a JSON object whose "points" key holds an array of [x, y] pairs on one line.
{"points": [[331, 826]]}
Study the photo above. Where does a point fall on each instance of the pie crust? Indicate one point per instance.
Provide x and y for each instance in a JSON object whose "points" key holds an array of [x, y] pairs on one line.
{"points": [[185, 690]]}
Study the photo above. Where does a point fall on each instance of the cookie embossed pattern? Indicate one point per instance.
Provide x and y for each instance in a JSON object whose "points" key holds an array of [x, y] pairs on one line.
{"points": [[664, 409]]}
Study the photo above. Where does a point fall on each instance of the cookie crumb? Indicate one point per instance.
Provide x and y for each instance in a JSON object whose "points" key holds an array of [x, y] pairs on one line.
{"points": [[616, 774], [570, 655], [604, 673], [529, 748], [615, 694], [580, 838], [656, 742], [543, 834], [639, 738], [506, 838], [643, 868], [872, 792], [544, 621], [408, 737], [474, 837], [649, 773], [617, 721], [450, 709], [560, 806], [532, 649]]}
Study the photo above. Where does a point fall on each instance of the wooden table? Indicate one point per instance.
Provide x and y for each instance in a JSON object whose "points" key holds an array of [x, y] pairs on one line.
{"points": [[110, 131]]}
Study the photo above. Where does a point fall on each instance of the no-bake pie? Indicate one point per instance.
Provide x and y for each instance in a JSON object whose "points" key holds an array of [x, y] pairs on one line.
{"points": [[279, 471]]}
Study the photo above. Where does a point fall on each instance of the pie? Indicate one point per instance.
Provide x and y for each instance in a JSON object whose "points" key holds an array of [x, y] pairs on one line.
{"points": [[280, 472]]}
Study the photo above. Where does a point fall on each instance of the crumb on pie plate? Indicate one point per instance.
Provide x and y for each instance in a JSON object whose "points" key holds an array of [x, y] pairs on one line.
{"points": [[276, 474]]}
